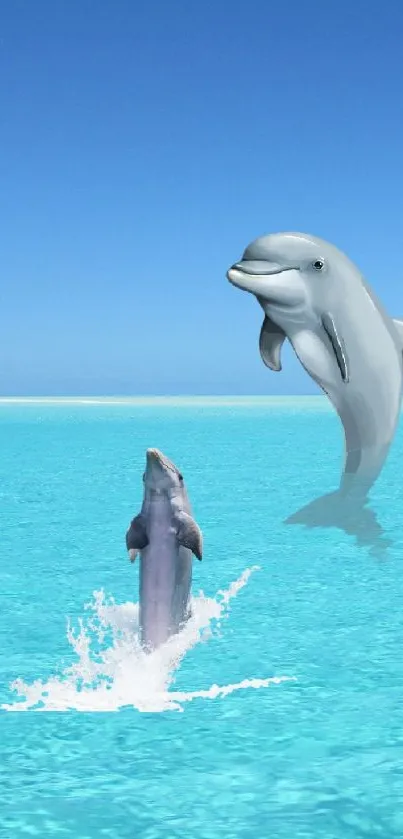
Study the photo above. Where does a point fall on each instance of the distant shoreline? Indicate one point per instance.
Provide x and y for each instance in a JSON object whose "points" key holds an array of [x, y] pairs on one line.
{"points": [[169, 401]]}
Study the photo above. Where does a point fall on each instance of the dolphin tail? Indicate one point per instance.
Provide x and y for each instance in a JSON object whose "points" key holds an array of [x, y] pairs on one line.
{"points": [[361, 470]]}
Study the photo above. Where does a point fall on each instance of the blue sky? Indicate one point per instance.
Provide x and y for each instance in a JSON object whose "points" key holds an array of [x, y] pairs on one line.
{"points": [[144, 144]]}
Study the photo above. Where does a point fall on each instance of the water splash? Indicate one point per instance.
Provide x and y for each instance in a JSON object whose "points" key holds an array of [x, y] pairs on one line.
{"points": [[112, 671]]}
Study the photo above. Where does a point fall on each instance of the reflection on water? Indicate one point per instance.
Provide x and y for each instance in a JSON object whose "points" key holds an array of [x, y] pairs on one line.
{"points": [[348, 513]]}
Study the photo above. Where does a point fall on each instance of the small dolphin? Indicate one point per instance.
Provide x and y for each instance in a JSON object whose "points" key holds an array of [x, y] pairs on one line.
{"points": [[312, 294], [166, 535]]}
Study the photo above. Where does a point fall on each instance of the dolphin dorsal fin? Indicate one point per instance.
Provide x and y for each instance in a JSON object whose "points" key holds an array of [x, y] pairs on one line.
{"points": [[271, 340], [399, 328]]}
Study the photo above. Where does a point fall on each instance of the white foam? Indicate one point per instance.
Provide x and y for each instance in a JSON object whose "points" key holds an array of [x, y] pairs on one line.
{"points": [[112, 671]]}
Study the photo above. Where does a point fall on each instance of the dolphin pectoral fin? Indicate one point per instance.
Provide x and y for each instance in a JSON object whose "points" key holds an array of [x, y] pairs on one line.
{"points": [[337, 344], [136, 536], [399, 327], [271, 340], [189, 534]]}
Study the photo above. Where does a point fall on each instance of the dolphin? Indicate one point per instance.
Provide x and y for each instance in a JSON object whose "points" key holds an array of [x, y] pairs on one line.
{"points": [[165, 535], [314, 295]]}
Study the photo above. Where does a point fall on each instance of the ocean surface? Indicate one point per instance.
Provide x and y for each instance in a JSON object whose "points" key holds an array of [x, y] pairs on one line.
{"points": [[278, 712]]}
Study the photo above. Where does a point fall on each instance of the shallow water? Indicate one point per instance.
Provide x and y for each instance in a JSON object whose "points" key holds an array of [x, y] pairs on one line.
{"points": [[277, 712]]}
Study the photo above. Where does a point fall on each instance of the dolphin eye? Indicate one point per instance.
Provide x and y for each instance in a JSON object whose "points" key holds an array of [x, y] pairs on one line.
{"points": [[144, 476], [318, 264], [180, 478]]}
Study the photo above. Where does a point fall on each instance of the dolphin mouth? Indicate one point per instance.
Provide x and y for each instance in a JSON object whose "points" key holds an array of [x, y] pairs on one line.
{"points": [[156, 458], [243, 274], [259, 268], [274, 283]]}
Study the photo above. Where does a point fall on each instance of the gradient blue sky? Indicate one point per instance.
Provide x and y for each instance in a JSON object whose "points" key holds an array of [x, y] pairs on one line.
{"points": [[143, 144]]}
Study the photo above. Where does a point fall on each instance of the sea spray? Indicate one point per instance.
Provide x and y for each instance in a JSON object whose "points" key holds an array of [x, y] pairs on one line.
{"points": [[113, 672]]}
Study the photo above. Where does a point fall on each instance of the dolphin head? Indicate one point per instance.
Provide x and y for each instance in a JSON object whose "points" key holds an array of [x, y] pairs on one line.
{"points": [[161, 476], [284, 268]]}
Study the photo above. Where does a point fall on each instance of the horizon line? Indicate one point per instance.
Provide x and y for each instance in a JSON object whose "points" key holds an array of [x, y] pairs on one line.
{"points": [[182, 399]]}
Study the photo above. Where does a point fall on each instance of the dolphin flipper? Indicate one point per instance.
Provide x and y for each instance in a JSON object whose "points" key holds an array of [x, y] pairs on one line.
{"points": [[271, 340], [337, 344], [136, 536], [399, 327], [189, 533]]}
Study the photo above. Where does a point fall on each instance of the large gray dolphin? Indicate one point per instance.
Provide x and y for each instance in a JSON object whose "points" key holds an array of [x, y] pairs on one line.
{"points": [[165, 535], [312, 294]]}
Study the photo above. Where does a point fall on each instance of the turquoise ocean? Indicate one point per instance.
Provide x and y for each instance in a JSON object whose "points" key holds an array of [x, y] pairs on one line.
{"points": [[277, 713]]}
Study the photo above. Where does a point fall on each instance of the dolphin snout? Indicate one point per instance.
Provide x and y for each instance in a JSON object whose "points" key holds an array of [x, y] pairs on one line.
{"points": [[249, 274], [257, 267], [153, 456], [277, 284], [240, 273]]}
